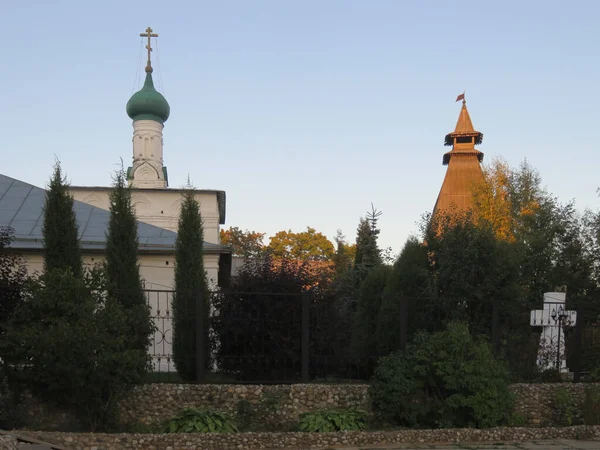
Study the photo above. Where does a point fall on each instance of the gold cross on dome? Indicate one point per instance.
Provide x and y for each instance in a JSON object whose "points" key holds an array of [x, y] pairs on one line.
{"points": [[149, 35]]}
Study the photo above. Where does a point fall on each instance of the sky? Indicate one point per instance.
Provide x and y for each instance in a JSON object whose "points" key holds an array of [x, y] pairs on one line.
{"points": [[305, 112]]}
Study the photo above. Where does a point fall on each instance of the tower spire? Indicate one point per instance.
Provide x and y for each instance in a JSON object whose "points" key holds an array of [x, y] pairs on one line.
{"points": [[464, 138], [149, 35], [463, 161]]}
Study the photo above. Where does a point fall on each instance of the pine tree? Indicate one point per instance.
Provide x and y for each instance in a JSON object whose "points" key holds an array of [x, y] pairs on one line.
{"points": [[190, 283], [121, 265], [61, 236]]}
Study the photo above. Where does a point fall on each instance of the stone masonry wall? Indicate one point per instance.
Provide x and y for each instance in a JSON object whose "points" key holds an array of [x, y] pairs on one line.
{"points": [[8, 442], [278, 407], [282, 405], [247, 441], [275, 405], [536, 403]]}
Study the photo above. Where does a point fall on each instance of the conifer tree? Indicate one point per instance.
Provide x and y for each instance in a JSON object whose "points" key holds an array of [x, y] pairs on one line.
{"points": [[410, 277], [122, 271], [370, 294], [190, 283], [343, 257], [367, 254], [61, 236]]}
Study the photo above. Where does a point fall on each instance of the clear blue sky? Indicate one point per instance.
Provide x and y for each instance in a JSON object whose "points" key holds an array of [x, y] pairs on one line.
{"points": [[305, 112]]}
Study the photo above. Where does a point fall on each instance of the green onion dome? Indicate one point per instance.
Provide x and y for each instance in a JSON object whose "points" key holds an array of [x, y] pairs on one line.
{"points": [[148, 103]]}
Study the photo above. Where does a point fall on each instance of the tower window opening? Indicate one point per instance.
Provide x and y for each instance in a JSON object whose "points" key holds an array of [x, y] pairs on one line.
{"points": [[464, 140]]}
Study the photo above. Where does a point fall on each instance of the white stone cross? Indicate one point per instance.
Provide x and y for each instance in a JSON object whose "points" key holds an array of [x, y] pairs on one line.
{"points": [[553, 319]]}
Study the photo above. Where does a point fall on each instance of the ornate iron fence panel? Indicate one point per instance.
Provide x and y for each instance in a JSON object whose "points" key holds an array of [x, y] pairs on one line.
{"points": [[161, 349]]}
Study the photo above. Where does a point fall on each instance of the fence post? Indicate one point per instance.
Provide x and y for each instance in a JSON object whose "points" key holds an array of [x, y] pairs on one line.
{"points": [[305, 336], [403, 322], [495, 325], [577, 345], [200, 336]]}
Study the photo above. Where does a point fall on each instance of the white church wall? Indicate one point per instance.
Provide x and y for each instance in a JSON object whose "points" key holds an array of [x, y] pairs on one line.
{"points": [[158, 207], [157, 271]]}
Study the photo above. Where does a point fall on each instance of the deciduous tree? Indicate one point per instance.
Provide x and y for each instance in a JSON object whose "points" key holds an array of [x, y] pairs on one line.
{"points": [[13, 275], [308, 245], [259, 320], [248, 244]]}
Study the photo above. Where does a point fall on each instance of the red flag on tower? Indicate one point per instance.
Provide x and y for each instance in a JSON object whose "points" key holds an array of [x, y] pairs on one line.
{"points": [[460, 97]]}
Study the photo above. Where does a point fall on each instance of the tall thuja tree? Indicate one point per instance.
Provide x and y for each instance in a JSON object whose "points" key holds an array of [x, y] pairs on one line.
{"points": [[190, 283], [122, 271], [61, 236]]}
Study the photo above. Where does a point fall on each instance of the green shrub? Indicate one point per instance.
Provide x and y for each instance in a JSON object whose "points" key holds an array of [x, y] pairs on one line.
{"points": [[594, 375], [565, 408], [444, 379], [244, 414], [516, 420], [333, 420], [201, 420], [72, 340], [591, 405]]}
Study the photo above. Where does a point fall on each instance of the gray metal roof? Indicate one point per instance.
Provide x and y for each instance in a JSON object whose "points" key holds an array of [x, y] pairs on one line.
{"points": [[22, 208]]}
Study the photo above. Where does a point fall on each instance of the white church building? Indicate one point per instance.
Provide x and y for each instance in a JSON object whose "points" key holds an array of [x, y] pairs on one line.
{"points": [[156, 205]]}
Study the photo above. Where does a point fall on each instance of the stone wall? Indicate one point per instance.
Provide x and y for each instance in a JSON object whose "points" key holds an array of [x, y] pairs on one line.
{"points": [[272, 406], [8, 442], [281, 405], [242, 441], [278, 407], [31, 413], [537, 403]]}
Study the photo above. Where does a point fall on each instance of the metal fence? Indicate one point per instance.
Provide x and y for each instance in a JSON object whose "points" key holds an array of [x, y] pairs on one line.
{"points": [[266, 338], [286, 338], [160, 303]]}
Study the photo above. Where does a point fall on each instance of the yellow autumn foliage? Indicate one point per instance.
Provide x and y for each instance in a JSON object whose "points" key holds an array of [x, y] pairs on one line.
{"points": [[493, 200]]}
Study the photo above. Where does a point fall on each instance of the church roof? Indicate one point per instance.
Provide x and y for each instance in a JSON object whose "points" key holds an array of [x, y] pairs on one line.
{"points": [[22, 208]]}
